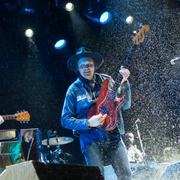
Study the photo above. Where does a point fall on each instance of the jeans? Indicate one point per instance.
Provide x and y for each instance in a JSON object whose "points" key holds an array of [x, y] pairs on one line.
{"points": [[109, 152]]}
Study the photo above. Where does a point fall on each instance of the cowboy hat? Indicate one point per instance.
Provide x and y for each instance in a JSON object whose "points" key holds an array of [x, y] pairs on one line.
{"points": [[83, 52]]}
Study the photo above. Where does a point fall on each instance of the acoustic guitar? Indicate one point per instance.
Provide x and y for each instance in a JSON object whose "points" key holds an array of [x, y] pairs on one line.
{"points": [[23, 116], [107, 102]]}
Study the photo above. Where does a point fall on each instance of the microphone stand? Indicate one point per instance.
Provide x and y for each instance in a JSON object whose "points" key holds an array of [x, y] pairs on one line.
{"points": [[140, 140], [175, 61], [48, 145], [48, 137], [58, 148]]}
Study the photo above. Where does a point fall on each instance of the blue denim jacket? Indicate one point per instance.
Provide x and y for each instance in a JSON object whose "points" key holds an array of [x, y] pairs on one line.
{"points": [[78, 100]]}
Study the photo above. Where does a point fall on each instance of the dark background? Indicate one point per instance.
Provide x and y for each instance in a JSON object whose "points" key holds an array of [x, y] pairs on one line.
{"points": [[34, 76]]}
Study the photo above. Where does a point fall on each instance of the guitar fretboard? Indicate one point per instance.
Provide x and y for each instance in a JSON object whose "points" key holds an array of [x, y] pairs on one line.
{"points": [[9, 117]]}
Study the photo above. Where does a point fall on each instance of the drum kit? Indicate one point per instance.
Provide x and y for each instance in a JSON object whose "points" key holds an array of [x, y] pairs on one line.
{"points": [[48, 150], [51, 149]]}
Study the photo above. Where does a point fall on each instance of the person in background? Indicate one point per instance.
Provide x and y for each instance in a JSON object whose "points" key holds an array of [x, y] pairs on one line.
{"points": [[134, 154]]}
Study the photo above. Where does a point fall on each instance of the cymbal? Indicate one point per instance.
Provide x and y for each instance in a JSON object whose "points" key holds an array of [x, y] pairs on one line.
{"points": [[57, 141]]}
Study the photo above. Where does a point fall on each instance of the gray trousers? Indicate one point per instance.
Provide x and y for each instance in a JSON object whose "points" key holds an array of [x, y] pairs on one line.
{"points": [[114, 153]]}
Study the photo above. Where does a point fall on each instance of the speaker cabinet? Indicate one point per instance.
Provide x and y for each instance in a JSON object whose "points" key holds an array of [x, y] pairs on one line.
{"points": [[32, 170]]}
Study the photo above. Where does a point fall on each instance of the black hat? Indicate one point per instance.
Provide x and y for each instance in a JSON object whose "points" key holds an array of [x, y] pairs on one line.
{"points": [[83, 52]]}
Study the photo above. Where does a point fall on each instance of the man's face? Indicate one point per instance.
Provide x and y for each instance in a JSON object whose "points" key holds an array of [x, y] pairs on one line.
{"points": [[130, 138], [86, 68]]}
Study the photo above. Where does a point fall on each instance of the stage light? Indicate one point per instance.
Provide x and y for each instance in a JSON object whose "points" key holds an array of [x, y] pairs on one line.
{"points": [[105, 17], [69, 6], [97, 11], [28, 11], [129, 20], [60, 44], [29, 33]]}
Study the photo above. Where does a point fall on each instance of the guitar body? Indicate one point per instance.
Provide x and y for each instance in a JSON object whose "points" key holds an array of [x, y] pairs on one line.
{"points": [[106, 103]]}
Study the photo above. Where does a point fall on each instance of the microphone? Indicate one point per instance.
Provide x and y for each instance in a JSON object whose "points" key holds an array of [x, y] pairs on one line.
{"points": [[175, 61]]}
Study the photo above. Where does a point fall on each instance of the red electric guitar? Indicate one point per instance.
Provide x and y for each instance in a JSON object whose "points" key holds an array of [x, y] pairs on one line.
{"points": [[107, 103]]}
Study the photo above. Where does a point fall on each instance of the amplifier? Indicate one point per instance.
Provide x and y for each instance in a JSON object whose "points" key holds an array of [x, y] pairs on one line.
{"points": [[9, 135]]}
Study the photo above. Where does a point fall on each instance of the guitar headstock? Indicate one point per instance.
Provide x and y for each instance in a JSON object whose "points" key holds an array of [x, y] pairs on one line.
{"points": [[23, 116], [139, 36]]}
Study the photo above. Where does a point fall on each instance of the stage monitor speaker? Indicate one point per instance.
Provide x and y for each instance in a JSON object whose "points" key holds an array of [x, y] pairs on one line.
{"points": [[32, 170], [171, 172]]}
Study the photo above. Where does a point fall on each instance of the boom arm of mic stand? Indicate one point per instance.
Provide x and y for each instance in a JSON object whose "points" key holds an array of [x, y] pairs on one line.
{"points": [[140, 140]]}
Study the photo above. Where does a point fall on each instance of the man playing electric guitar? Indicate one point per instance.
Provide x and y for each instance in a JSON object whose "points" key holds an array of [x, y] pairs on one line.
{"points": [[98, 145]]}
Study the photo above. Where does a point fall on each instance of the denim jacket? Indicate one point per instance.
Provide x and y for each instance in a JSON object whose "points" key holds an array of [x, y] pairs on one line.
{"points": [[79, 98]]}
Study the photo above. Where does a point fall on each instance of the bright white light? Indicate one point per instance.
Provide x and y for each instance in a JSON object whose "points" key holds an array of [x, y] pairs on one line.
{"points": [[29, 33], [69, 6], [105, 17], [129, 20], [60, 44]]}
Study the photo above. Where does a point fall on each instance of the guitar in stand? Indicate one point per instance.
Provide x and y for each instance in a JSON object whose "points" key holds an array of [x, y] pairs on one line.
{"points": [[107, 102]]}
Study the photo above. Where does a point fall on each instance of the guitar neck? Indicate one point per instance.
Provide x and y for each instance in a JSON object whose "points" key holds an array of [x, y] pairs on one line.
{"points": [[128, 56], [9, 117], [137, 40]]}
